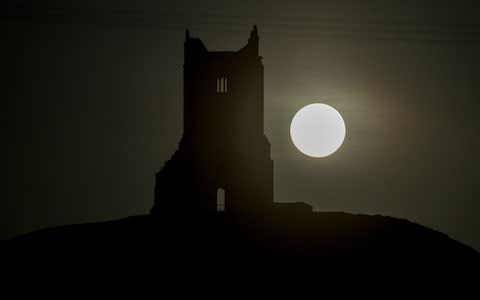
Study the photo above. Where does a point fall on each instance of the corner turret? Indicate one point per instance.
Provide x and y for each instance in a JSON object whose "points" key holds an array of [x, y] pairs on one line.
{"points": [[253, 41]]}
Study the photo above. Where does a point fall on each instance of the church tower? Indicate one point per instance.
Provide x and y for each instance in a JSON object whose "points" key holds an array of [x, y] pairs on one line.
{"points": [[223, 161]]}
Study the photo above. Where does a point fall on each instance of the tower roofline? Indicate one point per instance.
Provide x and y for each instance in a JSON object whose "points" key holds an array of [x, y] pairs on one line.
{"points": [[251, 46]]}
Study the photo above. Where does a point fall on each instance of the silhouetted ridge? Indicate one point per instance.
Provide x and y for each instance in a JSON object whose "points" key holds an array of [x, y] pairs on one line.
{"points": [[318, 235]]}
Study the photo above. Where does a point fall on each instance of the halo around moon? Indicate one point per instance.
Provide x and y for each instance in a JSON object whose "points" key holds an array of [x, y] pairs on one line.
{"points": [[317, 130]]}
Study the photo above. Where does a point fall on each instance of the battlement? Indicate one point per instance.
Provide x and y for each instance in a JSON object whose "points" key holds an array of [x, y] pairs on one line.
{"points": [[195, 50]]}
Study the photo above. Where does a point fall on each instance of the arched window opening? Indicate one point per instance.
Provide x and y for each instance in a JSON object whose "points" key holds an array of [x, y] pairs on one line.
{"points": [[222, 85]]}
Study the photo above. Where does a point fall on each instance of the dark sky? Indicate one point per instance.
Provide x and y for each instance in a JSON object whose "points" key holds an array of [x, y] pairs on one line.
{"points": [[92, 104]]}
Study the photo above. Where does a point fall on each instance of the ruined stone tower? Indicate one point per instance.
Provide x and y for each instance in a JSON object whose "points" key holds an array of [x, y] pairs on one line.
{"points": [[223, 152]]}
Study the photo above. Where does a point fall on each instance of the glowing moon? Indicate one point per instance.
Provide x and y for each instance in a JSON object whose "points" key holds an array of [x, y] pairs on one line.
{"points": [[317, 130]]}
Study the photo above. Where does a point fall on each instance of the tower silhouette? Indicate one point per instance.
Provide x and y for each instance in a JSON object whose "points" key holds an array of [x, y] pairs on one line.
{"points": [[223, 161]]}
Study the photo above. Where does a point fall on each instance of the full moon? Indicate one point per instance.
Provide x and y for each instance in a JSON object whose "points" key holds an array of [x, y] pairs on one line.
{"points": [[317, 130]]}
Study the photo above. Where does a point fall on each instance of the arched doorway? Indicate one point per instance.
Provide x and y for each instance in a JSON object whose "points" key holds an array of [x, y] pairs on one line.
{"points": [[220, 200]]}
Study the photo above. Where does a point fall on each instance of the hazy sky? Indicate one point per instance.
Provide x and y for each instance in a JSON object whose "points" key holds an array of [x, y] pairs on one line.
{"points": [[92, 97]]}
